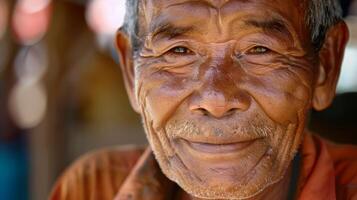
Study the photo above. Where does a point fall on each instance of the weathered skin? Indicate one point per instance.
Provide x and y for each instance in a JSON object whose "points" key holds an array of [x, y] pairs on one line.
{"points": [[224, 88]]}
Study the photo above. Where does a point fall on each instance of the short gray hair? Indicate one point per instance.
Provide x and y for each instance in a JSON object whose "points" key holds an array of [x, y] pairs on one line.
{"points": [[320, 16], [131, 23]]}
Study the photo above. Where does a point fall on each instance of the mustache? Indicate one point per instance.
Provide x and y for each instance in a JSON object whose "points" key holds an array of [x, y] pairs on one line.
{"points": [[254, 127]]}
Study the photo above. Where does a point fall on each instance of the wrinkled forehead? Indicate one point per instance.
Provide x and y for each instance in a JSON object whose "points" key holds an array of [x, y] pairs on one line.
{"points": [[220, 3], [197, 11]]}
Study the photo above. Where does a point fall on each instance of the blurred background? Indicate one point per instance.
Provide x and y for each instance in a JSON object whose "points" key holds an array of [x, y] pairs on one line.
{"points": [[62, 95]]}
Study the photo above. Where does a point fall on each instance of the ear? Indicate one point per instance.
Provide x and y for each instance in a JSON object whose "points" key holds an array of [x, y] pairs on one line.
{"points": [[127, 66], [331, 57]]}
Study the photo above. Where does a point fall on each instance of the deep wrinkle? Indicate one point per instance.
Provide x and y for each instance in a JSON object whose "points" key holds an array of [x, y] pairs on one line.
{"points": [[158, 141], [284, 62], [193, 129], [263, 23]]}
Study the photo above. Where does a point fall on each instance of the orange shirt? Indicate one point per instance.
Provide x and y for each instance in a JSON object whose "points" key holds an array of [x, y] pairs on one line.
{"points": [[328, 171]]}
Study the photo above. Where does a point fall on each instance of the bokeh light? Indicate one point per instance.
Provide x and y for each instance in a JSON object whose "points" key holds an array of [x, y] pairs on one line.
{"points": [[31, 20], [28, 100], [31, 63], [27, 104], [348, 81], [348, 77], [105, 16]]}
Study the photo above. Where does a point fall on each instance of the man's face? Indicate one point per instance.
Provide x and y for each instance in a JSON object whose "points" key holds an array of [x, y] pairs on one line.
{"points": [[223, 88]]}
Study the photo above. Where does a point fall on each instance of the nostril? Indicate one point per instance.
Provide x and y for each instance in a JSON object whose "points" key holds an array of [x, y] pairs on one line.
{"points": [[216, 113], [231, 111], [202, 111]]}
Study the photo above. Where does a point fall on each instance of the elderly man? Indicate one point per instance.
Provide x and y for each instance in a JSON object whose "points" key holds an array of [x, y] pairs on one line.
{"points": [[224, 88]]}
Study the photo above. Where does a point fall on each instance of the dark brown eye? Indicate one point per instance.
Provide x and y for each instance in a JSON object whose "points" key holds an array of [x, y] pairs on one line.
{"points": [[180, 50], [258, 50]]}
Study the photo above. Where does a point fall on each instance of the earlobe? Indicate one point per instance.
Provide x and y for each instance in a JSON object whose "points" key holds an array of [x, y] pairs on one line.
{"points": [[126, 63], [331, 57]]}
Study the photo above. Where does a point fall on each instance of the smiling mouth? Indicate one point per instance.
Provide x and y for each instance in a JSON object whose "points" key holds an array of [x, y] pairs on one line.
{"points": [[213, 148]]}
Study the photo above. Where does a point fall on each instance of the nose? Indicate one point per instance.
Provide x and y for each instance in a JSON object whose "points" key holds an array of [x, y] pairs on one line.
{"points": [[221, 93], [216, 104], [219, 96]]}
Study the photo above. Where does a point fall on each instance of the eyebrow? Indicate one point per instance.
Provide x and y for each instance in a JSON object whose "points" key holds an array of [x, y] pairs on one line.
{"points": [[270, 25], [169, 30]]}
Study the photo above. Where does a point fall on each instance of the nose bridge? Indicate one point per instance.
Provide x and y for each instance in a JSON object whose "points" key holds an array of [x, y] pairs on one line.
{"points": [[219, 52], [217, 81], [219, 94], [216, 72]]}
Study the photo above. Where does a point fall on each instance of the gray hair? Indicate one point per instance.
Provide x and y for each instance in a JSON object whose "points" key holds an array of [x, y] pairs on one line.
{"points": [[131, 23], [320, 16]]}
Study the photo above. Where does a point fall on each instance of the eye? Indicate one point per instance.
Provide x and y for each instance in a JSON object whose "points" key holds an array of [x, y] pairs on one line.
{"points": [[258, 50], [180, 50]]}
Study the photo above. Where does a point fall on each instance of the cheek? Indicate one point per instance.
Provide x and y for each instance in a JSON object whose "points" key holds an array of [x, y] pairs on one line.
{"points": [[160, 94], [282, 94]]}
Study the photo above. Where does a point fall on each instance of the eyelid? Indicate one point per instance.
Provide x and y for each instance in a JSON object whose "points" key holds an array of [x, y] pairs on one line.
{"points": [[175, 45], [245, 50], [239, 54], [258, 46], [172, 50]]}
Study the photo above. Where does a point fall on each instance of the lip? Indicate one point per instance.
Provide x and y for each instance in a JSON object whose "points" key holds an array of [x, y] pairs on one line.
{"points": [[219, 148]]}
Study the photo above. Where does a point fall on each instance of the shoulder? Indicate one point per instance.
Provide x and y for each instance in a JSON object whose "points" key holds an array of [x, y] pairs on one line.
{"points": [[97, 175], [345, 165]]}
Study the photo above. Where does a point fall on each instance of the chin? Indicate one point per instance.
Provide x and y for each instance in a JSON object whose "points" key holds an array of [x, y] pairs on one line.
{"points": [[254, 171], [242, 172], [227, 185]]}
